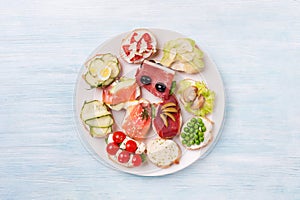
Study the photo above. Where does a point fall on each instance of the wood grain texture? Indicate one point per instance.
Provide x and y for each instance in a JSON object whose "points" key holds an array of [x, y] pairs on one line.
{"points": [[255, 44]]}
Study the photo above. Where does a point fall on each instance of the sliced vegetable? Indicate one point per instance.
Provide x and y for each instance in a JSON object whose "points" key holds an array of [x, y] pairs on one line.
{"points": [[100, 132], [182, 54], [102, 70], [100, 122], [93, 109]]}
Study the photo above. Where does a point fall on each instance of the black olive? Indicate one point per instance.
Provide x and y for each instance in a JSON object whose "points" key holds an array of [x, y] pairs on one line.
{"points": [[146, 80], [160, 87]]}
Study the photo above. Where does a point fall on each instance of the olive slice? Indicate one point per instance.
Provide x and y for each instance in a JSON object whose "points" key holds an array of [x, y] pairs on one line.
{"points": [[146, 80], [160, 87]]}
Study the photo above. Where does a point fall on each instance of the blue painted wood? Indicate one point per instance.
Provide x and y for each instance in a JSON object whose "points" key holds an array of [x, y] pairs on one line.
{"points": [[255, 44]]}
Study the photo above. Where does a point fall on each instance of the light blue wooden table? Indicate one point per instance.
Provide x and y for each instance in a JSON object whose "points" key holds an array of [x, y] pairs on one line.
{"points": [[256, 46]]}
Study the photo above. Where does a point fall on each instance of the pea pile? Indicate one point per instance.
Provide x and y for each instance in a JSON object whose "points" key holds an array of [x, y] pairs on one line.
{"points": [[193, 132]]}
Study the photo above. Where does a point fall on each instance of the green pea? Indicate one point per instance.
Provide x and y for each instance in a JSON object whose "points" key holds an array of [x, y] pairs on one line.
{"points": [[188, 144], [194, 120], [201, 139], [201, 134], [189, 124], [186, 129], [191, 142], [197, 142], [191, 135], [183, 135], [192, 130], [196, 126], [184, 141], [203, 128], [199, 120], [196, 136], [187, 138]]}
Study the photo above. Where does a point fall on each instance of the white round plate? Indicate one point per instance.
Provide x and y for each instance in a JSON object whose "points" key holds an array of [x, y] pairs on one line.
{"points": [[97, 146]]}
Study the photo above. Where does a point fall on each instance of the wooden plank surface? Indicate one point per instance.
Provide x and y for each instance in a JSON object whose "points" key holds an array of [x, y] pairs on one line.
{"points": [[255, 44]]}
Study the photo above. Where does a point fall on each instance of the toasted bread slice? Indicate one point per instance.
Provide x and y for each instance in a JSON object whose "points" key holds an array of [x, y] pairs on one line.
{"points": [[163, 152]]}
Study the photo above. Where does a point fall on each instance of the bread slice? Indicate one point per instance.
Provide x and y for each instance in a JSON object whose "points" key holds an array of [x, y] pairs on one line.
{"points": [[163, 152], [134, 47]]}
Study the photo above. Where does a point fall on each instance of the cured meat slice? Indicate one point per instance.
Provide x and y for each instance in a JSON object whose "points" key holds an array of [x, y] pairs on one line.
{"points": [[155, 78], [120, 92], [137, 121], [167, 120]]}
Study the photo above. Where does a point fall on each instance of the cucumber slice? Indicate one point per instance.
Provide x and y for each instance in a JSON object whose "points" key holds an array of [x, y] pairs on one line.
{"points": [[109, 57], [108, 82], [90, 80], [100, 132], [101, 122], [96, 66], [93, 109]]}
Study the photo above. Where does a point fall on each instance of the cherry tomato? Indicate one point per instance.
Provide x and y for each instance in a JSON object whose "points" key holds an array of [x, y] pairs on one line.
{"points": [[124, 157], [119, 137], [137, 160], [112, 148], [131, 146]]}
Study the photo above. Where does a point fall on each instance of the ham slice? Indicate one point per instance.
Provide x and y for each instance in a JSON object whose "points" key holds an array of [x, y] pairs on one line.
{"points": [[137, 121], [120, 92], [156, 75]]}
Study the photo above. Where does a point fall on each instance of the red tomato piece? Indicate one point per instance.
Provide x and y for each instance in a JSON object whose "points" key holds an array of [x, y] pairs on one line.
{"points": [[136, 57], [126, 49], [124, 157], [147, 37], [137, 160], [112, 148], [119, 137], [132, 39], [131, 146]]}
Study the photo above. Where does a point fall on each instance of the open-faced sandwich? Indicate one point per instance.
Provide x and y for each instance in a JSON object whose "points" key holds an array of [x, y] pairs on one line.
{"points": [[182, 54], [96, 115], [120, 92], [196, 133], [102, 70], [196, 97], [163, 152], [138, 45], [155, 78], [167, 119], [124, 150], [137, 120]]}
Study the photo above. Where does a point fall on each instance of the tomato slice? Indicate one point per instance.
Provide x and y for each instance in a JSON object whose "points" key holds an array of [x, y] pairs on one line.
{"points": [[136, 57], [147, 38], [137, 160], [132, 39], [126, 49]]}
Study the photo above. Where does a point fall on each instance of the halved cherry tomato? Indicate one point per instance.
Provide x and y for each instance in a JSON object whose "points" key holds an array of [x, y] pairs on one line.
{"points": [[112, 148], [124, 157], [119, 137], [137, 160], [131, 146]]}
